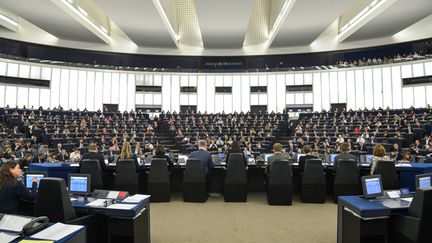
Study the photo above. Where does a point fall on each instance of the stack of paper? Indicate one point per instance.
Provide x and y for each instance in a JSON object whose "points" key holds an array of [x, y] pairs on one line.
{"points": [[122, 206], [6, 237], [135, 198], [56, 232], [13, 223], [97, 203]]}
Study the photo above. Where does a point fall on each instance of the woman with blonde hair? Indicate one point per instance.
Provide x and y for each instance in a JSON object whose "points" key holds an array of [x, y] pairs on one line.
{"points": [[126, 153], [379, 153]]}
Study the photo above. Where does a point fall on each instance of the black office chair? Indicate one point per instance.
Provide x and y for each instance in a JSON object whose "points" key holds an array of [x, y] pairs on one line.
{"points": [[54, 202], [235, 186], [126, 178], [313, 183], [415, 225], [280, 185], [92, 167], [159, 184], [347, 179], [194, 182], [389, 176]]}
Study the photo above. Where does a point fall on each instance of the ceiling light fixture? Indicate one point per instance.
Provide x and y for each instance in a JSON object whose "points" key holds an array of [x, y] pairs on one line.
{"points": [[288, 4], [84, 15], [8, 19], [166, 19], [363, 14]]}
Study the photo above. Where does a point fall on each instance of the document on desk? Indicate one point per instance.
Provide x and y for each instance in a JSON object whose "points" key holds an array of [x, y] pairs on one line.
{"points": [[74, 164], [407, 199], [13, 223], [404, 165], [56, 232], [122, 206], [393, 194], [135, 198], [7, 237], [97, 203]]}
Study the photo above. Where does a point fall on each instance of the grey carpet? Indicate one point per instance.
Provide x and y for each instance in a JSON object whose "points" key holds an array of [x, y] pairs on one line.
{"points": [[253, 221]]}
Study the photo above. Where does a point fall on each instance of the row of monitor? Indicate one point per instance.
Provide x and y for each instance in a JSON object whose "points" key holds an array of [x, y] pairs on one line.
{"points": [[79, 184], [219, 158], [372, 185]]}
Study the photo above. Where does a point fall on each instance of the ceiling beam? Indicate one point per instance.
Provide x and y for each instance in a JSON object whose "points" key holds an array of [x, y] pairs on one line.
{"points": [[82, 16], [265, 22], [8, 20], [362, 17]]}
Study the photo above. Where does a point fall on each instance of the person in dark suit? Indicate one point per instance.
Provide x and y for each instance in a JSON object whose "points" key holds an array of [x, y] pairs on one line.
{"points": [[203, 155], [63, 156], [93, 154], [345, 155], [12, 190], [308, 155], [159, 153], [235, 148]]}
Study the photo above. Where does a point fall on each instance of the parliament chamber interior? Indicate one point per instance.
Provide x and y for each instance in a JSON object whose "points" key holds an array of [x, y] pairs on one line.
{"points": [[236, 121]]}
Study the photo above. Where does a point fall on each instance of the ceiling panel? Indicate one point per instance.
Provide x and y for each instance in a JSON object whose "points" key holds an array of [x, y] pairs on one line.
{"points": [[223, 23], [395, 18], [140, 20], [47, 16], [307, 20]]}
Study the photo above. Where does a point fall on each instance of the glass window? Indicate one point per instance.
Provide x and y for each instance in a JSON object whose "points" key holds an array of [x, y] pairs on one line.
{"points": [[298, 79], [408, 99], [236, 89], [387, 87], [334, 88], [254, 80], [64, 89], [175, 93], [359, 89], [272, 90], [33, 97], [82, 87], [90, 91], [44, 98], [201, 92], [24, 71], [418, 69], [351, 92], [3, 67], [98, 99], [55, 87], [377, 88], [12, 69], [317, 91], [211, 95], [35, 72], [107, 80], [11, 96], [289, 79], [23, 97], [368, 88], [280, 92], [245, 93], [342, 87], [397, 87], [325, 90], [420, 96]]}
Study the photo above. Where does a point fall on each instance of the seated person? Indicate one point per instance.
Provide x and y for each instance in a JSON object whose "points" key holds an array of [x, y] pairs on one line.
{"points": [[93, 154], [308, 155], [407, 157], [126, 153], [203, 155], [62, 156], [278, 155], [345, 155], [12, 190], [159, 153], [235, 148]]}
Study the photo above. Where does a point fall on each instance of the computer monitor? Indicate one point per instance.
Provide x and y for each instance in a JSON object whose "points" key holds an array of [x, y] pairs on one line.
{"points": [[182, 159], [79, 184], [28, 178], [299, 155], [423, 180], [366, 159], [218, 158], [372, 186], [333, 158], [267, 156]]}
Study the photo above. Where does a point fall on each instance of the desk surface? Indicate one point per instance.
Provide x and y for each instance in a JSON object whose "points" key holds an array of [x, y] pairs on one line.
{"points": [[82, 203], [78, 230], [366, 208]]}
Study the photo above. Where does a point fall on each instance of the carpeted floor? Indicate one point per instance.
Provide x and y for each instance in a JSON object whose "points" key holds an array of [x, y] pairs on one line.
{"points": [[253, 221]]}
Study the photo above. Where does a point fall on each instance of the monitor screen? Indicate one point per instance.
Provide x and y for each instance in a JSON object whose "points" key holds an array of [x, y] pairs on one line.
{"points": [[372, 186], [182, 159], [333, 158], [221, 156], [79, 183], [369, 158], [423, 180], [267, 156], [28, 177], [299, 155]]}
